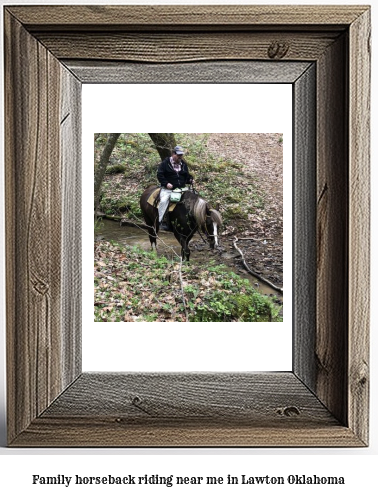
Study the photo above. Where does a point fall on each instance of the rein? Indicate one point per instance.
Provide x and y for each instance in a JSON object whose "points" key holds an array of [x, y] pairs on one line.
{"points": [[202, 238]]}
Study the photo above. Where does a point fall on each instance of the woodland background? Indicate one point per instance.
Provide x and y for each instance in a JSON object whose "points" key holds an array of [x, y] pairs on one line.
{"points": [[239, 173]]}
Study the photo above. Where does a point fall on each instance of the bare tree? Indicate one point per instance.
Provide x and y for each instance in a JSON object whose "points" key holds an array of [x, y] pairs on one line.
{"points": [[164, 144], [101, 168]]}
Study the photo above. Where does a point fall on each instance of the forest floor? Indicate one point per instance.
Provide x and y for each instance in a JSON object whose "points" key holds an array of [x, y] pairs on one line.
{"points": [[241, 172], [262, 158]]}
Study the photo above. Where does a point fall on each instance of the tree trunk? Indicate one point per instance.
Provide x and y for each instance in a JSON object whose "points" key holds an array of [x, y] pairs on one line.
{"points": [[164, 144], [101, 169]]}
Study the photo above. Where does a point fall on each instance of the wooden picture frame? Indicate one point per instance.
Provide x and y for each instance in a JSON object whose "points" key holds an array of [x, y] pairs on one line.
{"points": [[49, 52]]}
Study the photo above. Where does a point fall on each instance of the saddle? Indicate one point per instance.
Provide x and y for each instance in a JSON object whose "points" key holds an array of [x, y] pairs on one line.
{"points": [[154, 198]]}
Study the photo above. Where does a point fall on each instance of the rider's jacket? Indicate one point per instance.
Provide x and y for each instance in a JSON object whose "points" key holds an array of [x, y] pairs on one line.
{"points": [[167, 174]]}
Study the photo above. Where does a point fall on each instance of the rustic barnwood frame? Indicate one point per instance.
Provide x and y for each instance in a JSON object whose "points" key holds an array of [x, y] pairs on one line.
{"points": [[49, 52]]}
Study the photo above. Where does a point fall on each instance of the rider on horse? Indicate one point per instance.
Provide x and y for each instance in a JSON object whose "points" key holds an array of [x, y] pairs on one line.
{"points": [[172, 173]]}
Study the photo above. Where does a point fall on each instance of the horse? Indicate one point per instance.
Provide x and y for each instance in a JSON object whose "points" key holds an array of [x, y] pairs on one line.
{"points": [[192, 213]]}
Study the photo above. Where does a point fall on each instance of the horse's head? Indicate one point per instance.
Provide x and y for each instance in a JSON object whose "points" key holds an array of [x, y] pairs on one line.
{"points": [[213, 222], [208, 220]]}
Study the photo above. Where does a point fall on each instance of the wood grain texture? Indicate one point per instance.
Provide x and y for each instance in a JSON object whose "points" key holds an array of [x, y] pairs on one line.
{"points": [[100, 432], [193, 409], [200, 72], [332, 230], [41, 359], [180, 47], [243, 397], [304, 227], [70, 140], [33, 224], [33, 194], [359, 226], [179, 17], [323, 402]]}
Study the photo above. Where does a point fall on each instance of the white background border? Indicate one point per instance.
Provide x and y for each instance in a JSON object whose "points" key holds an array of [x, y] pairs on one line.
{"points": [[252, 108], [360, 472]]}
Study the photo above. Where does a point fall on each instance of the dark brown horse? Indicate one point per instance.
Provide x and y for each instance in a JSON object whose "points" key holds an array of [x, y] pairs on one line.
{"points": [[190, 214]]}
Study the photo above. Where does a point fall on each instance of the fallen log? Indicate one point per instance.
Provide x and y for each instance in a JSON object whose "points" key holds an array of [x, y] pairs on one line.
{"points": [[122, 221], [126, 222], [255, 239], [253, 273]]}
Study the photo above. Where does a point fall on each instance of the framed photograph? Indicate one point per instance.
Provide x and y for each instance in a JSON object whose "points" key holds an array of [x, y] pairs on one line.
{"points": [[178, 316], [323, 52]]}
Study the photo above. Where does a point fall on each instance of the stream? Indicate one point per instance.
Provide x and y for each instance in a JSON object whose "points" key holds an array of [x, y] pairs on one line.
{"points": [[168, 245]]}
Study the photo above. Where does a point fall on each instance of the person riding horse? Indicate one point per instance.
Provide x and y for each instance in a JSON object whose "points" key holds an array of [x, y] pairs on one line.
{"points": [[172, 173], [193, 214]]}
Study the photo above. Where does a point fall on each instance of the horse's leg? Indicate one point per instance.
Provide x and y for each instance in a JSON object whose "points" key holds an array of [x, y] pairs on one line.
{"points": [[152, 235], [187, 241], [184, 242], [153, 229], [150, 214], [185, 251]]}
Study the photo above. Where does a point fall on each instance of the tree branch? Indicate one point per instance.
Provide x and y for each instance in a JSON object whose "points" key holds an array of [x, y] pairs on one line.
{"points": [[252, 272]]}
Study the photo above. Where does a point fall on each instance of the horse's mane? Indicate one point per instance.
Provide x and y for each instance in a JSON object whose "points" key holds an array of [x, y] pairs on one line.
{"points": [[200, 212]]}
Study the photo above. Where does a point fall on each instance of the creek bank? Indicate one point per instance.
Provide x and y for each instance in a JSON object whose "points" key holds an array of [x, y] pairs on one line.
{"points": [[243, 172], [130, 234]]}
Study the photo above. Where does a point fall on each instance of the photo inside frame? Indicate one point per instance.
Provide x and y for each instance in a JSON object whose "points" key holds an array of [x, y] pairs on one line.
{"points": [[248, 143]]}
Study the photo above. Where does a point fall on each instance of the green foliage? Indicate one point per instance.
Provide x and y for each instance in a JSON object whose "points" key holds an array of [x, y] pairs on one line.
{"points": [[121, 205], [134, 285], [232, 299], [98, 224], [217, 179], [116, 169], [222, 181], [137, 286]]}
